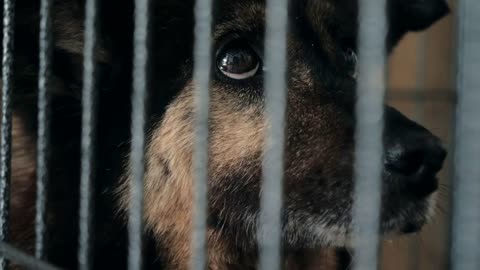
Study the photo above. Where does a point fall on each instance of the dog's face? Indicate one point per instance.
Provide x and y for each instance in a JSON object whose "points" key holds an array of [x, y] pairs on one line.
{"points": [[319, 144], [320, 126]]}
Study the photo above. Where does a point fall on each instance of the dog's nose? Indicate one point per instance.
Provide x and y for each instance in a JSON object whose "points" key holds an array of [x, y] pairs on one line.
{"points": [[412, 155], [418, 156]]}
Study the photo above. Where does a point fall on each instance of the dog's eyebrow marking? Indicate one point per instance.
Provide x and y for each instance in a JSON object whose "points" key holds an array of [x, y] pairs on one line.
{"points": [[250, 18], [246, 17]]}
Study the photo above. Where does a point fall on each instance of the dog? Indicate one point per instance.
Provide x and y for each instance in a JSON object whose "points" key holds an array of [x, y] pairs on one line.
{"points": [[322, 44]]}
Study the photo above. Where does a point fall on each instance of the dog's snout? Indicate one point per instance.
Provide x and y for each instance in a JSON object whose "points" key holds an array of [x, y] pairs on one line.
{"points": [[418, 156], [413, 154], [417, 159]]}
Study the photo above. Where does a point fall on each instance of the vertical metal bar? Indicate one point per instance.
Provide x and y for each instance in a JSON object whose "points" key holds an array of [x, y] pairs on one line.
{"points": [[369, 127], [466, 187], [201, 76], [138, 133], [43, 134], [89, 100], [276, 101], [6, 129]]}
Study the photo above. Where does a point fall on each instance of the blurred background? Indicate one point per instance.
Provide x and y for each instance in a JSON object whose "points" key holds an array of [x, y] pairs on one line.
{"points": [[421, 84]]}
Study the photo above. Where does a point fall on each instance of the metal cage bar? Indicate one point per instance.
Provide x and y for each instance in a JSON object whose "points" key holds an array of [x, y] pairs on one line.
{"points": [[6, 129], [368, 135], [23, 259], [466, 186], [269, 235], [368, 154], [89, 101], [201, 78], [43, 133], [140, 39]]}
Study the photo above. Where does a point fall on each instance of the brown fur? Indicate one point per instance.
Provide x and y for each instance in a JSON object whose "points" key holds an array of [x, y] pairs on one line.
{"points": [[168, 191], [22, 191], [319, 134]]}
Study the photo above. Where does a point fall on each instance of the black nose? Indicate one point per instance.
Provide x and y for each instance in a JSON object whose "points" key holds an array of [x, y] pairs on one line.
{"points": [[412, 154], [418, 156]]}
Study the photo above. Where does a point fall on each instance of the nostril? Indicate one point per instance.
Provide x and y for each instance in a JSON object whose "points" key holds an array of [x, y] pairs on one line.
{"points": [[420, 159], [401, 161], [435, 158], [424, 182]]}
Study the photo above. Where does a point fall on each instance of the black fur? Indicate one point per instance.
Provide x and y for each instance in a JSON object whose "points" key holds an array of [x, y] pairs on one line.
{"points": [[170, 63]]}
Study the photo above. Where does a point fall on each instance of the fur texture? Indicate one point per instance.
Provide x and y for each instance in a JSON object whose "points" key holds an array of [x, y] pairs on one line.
{"points": [[319, 134]]}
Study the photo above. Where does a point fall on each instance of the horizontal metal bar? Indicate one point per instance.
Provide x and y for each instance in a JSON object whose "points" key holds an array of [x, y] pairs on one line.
{"points": [[271, 203], [135, 227], [465, 244], [368, 134], [437, 94], [201, 77], [6, 118], [89, 109], [19, 257]]}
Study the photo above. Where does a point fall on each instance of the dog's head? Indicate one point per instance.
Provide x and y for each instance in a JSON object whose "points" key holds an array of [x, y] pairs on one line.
{"points": [[319, 134], [320, 116]]}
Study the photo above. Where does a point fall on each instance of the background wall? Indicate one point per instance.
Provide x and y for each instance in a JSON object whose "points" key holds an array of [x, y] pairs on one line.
{"points": [[422, 86]]}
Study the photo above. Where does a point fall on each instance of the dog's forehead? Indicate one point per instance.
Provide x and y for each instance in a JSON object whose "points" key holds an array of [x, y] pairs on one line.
{"points": [[249, 15]]}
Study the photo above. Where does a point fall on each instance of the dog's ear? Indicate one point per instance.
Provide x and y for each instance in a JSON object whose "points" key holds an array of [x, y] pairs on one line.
{"points": [[413, 15]]}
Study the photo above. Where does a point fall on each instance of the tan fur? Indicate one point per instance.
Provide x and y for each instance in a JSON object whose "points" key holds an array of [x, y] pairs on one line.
{"points": [[236, 142], [316, 133], [169, 197], [318, 144]]}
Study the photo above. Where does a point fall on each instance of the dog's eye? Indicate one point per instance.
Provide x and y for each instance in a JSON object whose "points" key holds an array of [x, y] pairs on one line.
{"points": [[237, 60], [352, 59]]}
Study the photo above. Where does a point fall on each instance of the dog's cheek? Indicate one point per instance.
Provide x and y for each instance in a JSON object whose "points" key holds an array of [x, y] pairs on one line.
{"points": [[236, 141], [237, 132], [319, 167], [168, 175], [168, 179], [236, 137]]}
